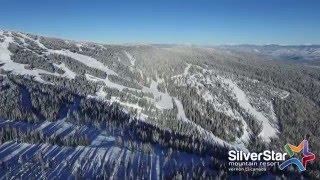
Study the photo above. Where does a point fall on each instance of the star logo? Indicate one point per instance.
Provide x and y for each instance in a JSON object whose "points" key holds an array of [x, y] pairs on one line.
{"points": [[291, 150]]}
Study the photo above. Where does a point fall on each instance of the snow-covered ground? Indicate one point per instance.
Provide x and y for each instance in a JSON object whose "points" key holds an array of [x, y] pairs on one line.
{"points": [[209, 79], [23, 160], [208, 135], [217, 99], [35, 41], [107, 82], [268, 130], [18, 68], [67, 72], [186, 70], [204, 82], [130, 105], [162, 100], [101, 139], [181, 114], [87, 60], [131, 58]]}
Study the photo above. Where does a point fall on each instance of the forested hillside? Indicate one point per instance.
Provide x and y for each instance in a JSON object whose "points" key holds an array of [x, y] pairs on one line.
{"points": [[83, 109]]}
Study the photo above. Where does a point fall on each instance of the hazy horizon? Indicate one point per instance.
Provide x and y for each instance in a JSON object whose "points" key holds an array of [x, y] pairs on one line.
{"points": [[152, 43]]}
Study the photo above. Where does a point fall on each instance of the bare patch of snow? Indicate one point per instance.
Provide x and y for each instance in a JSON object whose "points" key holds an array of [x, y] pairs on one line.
{"points": [[60, 127], [162, 100], [117, 164], [87, 60], [107, 82], [67, 72], [285, 95], [186, 70], [135, 106], [102, 139], [79, 45], [131, 58], [181, 114], [19, 149]]}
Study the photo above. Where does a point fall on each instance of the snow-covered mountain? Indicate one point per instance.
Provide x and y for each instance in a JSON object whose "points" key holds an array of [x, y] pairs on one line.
{"points": [[305, 54], [99, 110]]}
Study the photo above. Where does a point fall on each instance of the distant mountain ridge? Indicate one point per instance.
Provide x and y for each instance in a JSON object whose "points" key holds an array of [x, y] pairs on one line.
{"points": [[296, 53]]}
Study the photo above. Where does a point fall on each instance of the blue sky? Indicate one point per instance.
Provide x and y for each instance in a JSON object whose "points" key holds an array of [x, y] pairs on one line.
{"points": [[200, 22]]}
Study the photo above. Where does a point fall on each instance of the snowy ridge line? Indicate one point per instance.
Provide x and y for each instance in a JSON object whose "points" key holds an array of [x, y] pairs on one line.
{"points": [[162, 100], [18, 68], [35, 41]]}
